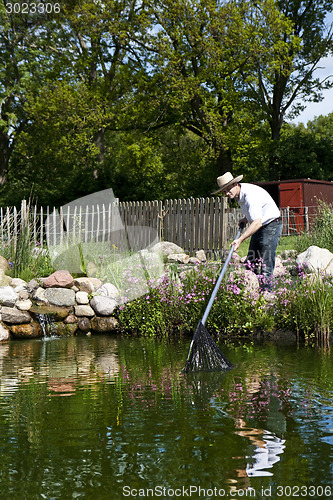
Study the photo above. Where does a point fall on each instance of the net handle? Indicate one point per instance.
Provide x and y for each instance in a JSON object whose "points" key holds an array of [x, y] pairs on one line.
{"points": [[222, 273]]}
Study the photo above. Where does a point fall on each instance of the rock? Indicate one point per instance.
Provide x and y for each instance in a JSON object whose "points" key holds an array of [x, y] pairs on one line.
{"points": [[8, 296], [84, 310], [33, 285], [279, 268], [248, 279], [82, 298], [181, 258], [57, 279], [24, 305], [60, 297], [4, 279], [12, 315], [103, 325], [200, 255], [194, 260], [4, 265], [22, 294], [109, 290], [4, 333], [54, 313], [39, 296], [103, 306], [63, 329], [88, 285], [26, 331], [316, 259], [70, 319], [17, 282], [166, 248], [84, 324]]}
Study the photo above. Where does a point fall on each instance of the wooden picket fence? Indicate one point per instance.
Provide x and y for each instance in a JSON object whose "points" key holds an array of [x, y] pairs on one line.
{"points": [[193, 224]]}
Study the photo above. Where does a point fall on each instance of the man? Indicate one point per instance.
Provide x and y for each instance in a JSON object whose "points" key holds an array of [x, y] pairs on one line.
{"points": [[265, 224]]}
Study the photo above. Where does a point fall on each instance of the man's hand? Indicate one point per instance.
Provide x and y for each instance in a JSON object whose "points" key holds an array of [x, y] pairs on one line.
{"points": [[236, 243], [253, 227]]}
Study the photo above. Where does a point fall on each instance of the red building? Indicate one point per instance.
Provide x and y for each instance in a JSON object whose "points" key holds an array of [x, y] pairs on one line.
{"points": [[298, 200]]}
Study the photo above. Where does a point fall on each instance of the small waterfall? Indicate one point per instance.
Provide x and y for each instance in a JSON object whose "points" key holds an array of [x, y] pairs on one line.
{"points": [[45, 322]]}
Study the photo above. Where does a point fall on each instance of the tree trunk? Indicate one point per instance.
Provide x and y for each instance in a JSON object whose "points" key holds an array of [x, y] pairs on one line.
{"points": [[100, 144], [273, 165], [223, 161], [5, 151]]}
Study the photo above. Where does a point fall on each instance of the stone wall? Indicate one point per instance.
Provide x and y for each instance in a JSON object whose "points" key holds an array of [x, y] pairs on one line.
{"points": [[72, 305]]}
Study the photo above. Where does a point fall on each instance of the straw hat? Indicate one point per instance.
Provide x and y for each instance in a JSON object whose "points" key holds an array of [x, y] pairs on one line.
{"points": [[226, 180]]}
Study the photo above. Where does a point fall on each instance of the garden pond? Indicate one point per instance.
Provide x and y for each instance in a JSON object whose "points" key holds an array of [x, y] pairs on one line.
{"points": [[108, 417]]}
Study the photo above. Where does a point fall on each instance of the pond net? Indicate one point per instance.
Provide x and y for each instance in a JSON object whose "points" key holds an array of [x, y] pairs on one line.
{"points": [[204, 354]]}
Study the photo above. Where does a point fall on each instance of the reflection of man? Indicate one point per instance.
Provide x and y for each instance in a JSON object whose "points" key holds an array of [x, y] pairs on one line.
{"points": [[265, 225], [267, 451], [265, 456]]}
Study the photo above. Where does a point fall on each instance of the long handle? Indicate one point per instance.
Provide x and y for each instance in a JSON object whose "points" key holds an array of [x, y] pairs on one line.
{"points": [[217, 284]]}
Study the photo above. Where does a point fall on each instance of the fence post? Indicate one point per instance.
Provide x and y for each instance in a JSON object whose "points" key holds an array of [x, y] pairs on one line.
{"points": [[306, 219], [224, 223]]}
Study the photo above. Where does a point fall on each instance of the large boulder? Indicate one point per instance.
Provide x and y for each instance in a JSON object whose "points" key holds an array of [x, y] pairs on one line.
{"points": [[166, 248], [316, 259]]}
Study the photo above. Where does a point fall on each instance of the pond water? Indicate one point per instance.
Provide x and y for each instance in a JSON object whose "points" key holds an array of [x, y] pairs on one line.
{"points": [[105, 417]]}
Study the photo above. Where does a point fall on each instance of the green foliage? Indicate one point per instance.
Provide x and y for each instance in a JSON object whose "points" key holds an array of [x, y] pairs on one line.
{"points": [[321, 232], [302, 303], [305, 305], [155, 98], [302, 153]]}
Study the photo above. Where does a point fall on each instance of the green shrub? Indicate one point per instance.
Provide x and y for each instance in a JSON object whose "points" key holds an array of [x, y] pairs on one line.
{"points": [[321, 233]]}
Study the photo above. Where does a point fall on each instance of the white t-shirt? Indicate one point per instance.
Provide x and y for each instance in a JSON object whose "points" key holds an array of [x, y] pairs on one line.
{"points": [[257, 203]]}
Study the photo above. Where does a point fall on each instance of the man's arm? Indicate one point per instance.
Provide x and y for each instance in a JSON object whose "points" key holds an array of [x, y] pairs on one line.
{"points": [[253, 228]]}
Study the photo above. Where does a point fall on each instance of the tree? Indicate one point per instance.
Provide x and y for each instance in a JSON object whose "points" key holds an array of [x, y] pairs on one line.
{"points": [[199, 54], [93, 53], [23, 66]]}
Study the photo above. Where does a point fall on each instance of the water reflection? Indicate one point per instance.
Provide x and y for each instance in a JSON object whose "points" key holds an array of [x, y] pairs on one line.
{"points": [[264, 454], [63, 366], [123, 409]]}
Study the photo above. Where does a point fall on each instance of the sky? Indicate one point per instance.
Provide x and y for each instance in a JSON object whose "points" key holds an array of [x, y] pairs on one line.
{"points": [[324, 107]]}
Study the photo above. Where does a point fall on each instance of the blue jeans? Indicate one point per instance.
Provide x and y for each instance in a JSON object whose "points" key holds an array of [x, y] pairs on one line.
{"points": [[262, 250]]}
